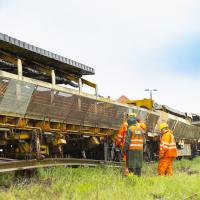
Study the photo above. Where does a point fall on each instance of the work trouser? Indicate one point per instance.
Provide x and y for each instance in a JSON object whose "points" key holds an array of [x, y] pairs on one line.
{"points": [[165, 166], [125, 171]]}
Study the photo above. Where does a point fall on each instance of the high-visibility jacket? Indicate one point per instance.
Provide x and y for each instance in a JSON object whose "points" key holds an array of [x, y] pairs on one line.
{"points": [[137, 138], [120, 140], [168, 145]]}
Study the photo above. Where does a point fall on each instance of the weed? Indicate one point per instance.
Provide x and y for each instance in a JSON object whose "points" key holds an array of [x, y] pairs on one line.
{"points": [[104, 183]]}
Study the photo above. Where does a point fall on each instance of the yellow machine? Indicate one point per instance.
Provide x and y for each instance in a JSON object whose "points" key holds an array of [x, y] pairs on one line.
{"points": [[143, 103], [39, 117]]}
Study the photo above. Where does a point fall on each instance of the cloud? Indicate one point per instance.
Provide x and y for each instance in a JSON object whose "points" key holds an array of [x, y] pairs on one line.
{"points": [[129, 43]]}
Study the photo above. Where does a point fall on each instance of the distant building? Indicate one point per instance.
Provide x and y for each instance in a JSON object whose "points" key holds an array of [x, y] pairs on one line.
{"points": [[122, 99]]}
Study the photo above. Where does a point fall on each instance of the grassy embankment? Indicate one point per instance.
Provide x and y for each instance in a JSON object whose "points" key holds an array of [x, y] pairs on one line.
{"points": [[104, 183]]}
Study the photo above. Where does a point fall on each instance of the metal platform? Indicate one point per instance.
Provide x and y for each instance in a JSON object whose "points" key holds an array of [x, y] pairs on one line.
{"points": [[27, 51]]}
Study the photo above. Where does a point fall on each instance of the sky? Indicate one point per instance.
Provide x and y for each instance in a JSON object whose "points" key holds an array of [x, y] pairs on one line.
{"points": [[132, 45]]}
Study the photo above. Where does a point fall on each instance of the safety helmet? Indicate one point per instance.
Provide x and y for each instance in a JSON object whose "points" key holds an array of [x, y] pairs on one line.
{"points": [[132, 115], [163, 125], [131, 120], [143, 126]]}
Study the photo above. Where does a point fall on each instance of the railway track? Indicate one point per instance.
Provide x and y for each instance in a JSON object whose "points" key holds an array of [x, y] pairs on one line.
{"points": [[7, 165], [5, 160]]}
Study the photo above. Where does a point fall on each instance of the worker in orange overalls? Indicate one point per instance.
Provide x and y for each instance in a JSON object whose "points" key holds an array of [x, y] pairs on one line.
{"points": [[120, 143], [120, 139], [167, 151]]}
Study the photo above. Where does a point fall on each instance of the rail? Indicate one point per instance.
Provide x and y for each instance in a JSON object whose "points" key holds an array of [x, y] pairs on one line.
{"points": [[14, 165]]}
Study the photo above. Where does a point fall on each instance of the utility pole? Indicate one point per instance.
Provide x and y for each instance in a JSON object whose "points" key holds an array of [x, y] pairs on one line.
{"points": [[151, 92]]}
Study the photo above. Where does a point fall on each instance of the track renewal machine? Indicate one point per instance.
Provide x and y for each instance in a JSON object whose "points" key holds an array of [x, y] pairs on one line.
{"points": [[44, 112]]}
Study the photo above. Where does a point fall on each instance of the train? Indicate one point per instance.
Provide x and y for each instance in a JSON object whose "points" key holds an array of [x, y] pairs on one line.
{"points": [[44, 112]]}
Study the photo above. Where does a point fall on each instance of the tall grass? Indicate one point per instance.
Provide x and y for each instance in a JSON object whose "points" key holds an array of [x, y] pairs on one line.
{"points": [[104, 183]]}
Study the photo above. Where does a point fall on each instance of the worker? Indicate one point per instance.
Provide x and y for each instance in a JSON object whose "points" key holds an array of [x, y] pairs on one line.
{"points": [[133, 147], [167, 151], [120, 144], [120, 140]]}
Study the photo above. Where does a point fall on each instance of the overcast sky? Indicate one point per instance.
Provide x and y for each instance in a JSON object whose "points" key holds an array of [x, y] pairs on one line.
{"points": [[132, 44]]}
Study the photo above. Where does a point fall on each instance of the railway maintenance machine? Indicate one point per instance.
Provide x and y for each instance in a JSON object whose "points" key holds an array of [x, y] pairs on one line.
{"points": [[45, 113]]}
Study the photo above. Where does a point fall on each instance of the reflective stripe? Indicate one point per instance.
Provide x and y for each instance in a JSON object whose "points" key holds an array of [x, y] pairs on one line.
{"points": [[164, 146], [136, 145], [172, 147], [167, 143], [137, 140]]}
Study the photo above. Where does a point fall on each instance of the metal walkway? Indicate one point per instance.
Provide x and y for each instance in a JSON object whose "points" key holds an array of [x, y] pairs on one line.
{"points": [[31, 52]]}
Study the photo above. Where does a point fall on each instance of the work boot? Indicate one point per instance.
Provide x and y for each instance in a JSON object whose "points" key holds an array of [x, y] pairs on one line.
{"points": [[126, 172]]}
